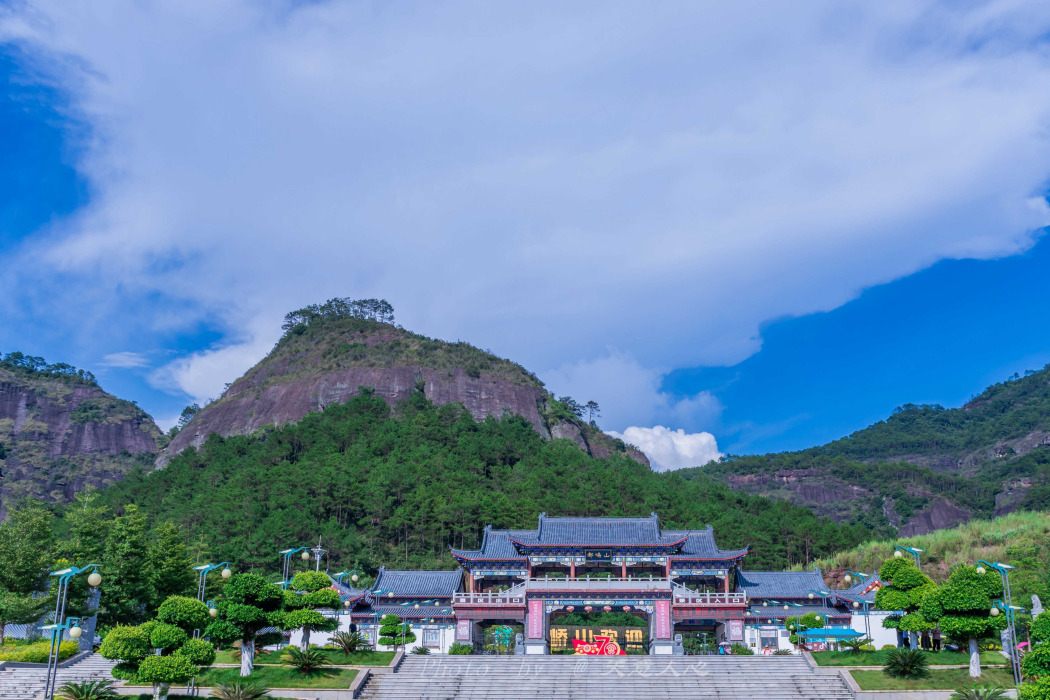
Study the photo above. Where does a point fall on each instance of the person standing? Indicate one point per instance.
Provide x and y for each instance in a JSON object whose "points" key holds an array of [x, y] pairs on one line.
{"points": [[936, 638]]}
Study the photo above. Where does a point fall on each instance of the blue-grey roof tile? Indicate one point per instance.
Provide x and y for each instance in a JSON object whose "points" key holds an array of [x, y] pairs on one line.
{"points": [[780, 584], [418, 584], [701, 545]]}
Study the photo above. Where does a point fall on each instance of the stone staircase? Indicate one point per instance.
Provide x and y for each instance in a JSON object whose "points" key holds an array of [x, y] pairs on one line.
{"points": [[589, 678], [28, 683]]}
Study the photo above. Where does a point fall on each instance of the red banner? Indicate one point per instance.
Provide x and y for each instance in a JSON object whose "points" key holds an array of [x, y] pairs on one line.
{"points": [[601, 646]]}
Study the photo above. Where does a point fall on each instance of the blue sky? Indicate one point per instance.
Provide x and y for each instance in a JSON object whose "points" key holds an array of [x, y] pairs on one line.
{"points": [[738, 228]]}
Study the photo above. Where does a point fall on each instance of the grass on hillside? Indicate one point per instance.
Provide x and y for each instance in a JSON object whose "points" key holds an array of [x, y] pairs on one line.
{"points": [[336, 657], [878, 658], [939, 679], [1021, 539], [281, 677]]}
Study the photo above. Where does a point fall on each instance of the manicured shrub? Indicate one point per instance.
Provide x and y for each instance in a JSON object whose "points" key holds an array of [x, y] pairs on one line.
{"points": [[1036, 663], [1038, 689], [420, 651], [461, 649], [742, 650], [198, 651], [36, 652], [167, 637], [977, 692], [184, 612]]}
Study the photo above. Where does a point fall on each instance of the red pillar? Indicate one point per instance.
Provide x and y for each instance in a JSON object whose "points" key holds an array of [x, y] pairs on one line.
{"points": [[727, 581], [623, 570], [470, 582], [572, 570], [668, 569]]}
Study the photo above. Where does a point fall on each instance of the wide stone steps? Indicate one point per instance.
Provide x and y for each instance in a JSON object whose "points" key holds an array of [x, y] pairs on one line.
{"points": [[529, 677], [28, 683]]}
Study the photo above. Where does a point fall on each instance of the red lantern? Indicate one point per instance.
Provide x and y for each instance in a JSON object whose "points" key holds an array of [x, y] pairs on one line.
{"points": [[627, 608], [588, 608], [607, 608], [570, 608]]}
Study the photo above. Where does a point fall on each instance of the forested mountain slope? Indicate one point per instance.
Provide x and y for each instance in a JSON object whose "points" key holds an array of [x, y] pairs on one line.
{"points": [[924, 467], [397, 487], [329, 351], [60, 432]]}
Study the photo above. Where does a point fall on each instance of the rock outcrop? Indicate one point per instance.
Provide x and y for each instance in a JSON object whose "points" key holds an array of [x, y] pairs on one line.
{"points": [[329, 362], [58, 435]]}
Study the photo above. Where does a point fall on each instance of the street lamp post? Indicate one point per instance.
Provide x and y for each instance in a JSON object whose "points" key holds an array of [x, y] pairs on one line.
{"points": [[202, 576], [318, 553], [59, 625], [860, 576], [915, 552], [286, 562], [1004, 573]]}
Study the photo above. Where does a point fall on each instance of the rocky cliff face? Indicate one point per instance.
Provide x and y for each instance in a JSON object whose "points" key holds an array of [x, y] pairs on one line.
{"points": [[59, 435], [329, 363]]}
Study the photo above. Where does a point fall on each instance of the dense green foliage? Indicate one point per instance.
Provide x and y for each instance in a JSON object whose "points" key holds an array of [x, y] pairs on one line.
{"points": [[395, 633], [906, 588], [38, 368], [1037, 689], [26, 546], [397, 488], [36, 652], [158, 652], [88, 690]]}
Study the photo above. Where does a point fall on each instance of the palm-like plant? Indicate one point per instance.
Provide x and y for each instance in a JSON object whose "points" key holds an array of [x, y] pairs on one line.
{"points": [[305, 660], [906, 663], [350, 642], [856, 645], [977, 692], [88, 690], [245, 690]]}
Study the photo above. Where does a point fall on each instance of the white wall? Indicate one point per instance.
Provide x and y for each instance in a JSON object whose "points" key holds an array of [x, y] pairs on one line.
{"points": [[446, 635], [880, 636]]}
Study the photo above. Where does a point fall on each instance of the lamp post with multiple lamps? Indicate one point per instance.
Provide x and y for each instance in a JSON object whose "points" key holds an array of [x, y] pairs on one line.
{"points": [[915, 552], [1009, 608], [60, 625], [202, 575], [286, 562], [859, 577], [318, 553]]}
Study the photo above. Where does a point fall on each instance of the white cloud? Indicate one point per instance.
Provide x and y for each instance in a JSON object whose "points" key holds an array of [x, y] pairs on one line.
{"points": [[544, 179], [629, 393], [671, 449], [125, 360]]}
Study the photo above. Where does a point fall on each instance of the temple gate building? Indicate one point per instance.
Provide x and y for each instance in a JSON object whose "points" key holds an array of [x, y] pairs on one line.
{"points": [[542, 586]]}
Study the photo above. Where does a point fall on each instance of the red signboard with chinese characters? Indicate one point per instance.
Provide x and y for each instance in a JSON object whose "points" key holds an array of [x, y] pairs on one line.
{"points": [[601, 646], [663, 619], [535, 619]]}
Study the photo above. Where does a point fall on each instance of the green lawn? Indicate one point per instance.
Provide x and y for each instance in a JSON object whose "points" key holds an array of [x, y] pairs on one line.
{"points": [[281, 677], [940, 679], [878, 658], [338, 658]]}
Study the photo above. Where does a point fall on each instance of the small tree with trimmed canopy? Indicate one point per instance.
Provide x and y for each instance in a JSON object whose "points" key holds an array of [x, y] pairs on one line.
{"points": [[963, 609], [394, 633], [309, 592], [249, 604], [904, 590]]}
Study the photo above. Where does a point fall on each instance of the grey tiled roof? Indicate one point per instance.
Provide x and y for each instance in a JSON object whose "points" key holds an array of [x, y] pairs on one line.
{"points": [[857, 590], [496, 544], [598, 532], [701, 545], [777, 612], [418, 584], [780, 584], [406, 612]]}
